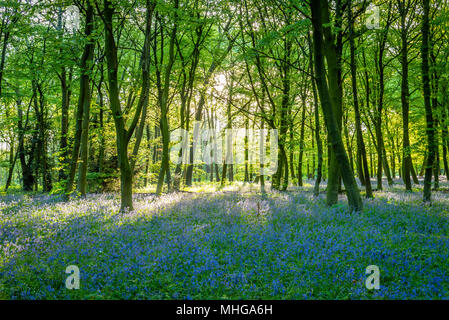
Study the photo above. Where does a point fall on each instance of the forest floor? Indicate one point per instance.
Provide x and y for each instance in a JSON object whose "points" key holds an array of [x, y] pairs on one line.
{"points": [[225, 244]]}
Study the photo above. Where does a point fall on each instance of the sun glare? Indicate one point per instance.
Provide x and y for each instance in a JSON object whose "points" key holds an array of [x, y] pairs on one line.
{"points": [[220, 82]]}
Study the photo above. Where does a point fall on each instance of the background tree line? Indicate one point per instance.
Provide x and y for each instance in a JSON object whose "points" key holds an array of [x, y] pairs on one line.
{"points": [[91, 109]]}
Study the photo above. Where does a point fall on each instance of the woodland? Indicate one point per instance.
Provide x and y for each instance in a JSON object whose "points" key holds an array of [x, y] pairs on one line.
{"points": [[224, 149]]}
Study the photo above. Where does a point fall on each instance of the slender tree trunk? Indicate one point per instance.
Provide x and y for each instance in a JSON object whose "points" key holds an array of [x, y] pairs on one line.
{"points": [[12, 163], [65, 104], [348, 141], [84, 148], [316, 189], [261, 160], [423, 166], [436, 115], [227, 164], [385, 163], [291, 141], [42, 140], [371, 160], [6, 36], [285, 107], [413, 172], [444, 127], [183, 96], [379, 138], [444, 134], [145, 88], [427, 95], [27, 170], [164, 106], [217, 173], [84, 100], [301, 144], [147, 159], [246, 176], [101, 126], [405, 96], [360, 142], [63, 144]]}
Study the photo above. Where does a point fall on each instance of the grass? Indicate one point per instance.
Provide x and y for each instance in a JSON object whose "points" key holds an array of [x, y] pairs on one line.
{"points": [[230, 243]]}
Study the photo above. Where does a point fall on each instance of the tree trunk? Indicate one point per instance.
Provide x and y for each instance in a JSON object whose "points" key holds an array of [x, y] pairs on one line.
{"points": [[147, 159], [354, 199], [405, 96], [27, 170], [163, 93], [101, 148], [444, 133], [360, 142], [246, 176], [65, 104], [12, 164], [42, 137], [427, 94], [333, 56], [123, 135], [301, 144], [385, 163], [316, 188], [83, 101], [84, 148]]}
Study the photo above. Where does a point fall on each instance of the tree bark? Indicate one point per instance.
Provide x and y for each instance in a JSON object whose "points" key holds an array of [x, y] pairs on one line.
{"points": [[319, 144], [360, 142], [164, 106], [123, 135], [333, 56], [427, 95], [354, 199], [84, 100], [65, 104], [301, 144], [405, 96]]}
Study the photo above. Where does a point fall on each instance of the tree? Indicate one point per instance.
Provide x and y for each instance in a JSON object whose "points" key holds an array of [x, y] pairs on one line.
{"points": [[163, 90], [425, 29], [360, 142], [123, 135], [319, 8], [84, 101], [405, 7]]}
